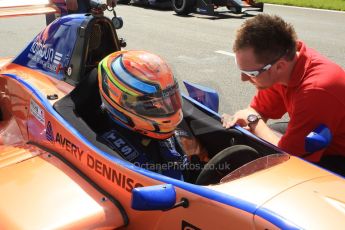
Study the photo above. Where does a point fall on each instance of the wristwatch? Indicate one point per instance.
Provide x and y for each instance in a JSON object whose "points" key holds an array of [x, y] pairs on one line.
{"points": [[253, 119]]}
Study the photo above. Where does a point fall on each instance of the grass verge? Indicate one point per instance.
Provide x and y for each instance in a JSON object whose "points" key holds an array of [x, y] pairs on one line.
{"points": [[320, 4]]}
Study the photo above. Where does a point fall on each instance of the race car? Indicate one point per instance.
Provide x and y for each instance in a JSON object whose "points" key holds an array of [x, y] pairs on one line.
{"points": [[55, 174], [208, 7]]}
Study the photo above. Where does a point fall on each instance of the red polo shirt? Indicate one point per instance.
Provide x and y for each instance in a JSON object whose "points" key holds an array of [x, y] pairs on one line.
{"points": [[315, 95]]}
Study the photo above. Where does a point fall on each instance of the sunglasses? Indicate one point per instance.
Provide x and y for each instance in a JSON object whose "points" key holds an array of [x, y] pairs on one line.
{"points": [[256, 73]]}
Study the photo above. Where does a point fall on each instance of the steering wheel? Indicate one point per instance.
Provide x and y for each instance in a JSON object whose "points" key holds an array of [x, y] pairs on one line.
{"points": [[225, 162]]}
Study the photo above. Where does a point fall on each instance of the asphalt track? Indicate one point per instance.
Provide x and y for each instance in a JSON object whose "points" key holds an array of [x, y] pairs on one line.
{"points": [[197, 47]]}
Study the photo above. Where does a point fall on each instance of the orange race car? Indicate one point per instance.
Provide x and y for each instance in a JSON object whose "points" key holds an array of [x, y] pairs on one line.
{"points": [[55, 174]]}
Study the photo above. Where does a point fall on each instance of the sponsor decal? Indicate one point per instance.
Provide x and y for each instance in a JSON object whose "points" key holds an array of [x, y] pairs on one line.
{"points": [[111, 174], [98, 166], [118, 178], [57, 58], [49, 132], [37, 111], [121, 145], [45, 55], [69, 146], [188, 226], [65, 143]]}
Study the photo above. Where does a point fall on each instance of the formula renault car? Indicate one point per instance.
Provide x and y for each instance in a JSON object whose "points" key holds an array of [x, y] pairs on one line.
{"points": [[210, 7], [54, 174]]}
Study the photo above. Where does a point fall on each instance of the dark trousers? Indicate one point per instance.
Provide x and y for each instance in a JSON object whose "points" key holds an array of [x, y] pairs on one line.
{"points": [[332, 163]]}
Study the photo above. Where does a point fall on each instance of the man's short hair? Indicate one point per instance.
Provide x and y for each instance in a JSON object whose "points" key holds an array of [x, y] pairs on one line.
{"points": [[269, 36]]}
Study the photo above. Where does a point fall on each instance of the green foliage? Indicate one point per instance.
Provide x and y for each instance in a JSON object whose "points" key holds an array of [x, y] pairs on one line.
{"points": [[320, 4]]}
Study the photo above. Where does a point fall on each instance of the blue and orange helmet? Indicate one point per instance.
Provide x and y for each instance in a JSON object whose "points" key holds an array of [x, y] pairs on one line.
{"points": [[139, 91]]}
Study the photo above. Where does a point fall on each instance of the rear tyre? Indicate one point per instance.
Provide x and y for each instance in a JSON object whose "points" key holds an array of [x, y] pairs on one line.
{"points": [[183, 7]]}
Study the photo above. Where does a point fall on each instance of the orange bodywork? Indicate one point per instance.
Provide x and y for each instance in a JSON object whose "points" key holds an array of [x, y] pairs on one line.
{"points": [[305, 194], [21, 160], [4, 61], [43, 186], [53, 177], [26, 8]]}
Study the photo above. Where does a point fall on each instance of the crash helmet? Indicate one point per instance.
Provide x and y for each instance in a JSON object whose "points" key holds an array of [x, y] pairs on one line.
{"points": [[139, 91]]}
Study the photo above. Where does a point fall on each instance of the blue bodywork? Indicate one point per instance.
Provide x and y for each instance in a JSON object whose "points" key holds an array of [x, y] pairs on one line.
{"points": [[51, 50], [158, 197], [318, 139], [206, 96]]}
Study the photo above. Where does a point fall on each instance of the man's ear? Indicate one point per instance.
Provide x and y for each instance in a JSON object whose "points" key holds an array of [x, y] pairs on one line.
{"points": [[281, 65]]}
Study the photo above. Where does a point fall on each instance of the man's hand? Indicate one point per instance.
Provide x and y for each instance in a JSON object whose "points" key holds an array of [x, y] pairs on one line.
{"points": [[239, 118], [260, 128], [111, 3]]}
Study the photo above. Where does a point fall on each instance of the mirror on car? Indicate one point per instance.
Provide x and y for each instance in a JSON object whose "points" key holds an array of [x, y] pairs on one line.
{"points": [[204, 95], [158, 197], [318, 139]]}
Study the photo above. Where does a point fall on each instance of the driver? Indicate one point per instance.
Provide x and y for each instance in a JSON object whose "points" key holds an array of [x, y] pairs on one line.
{"points": [[141, 97]]}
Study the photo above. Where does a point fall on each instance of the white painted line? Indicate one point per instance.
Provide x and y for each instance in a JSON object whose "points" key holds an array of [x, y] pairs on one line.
{"points": [[225, 53]]}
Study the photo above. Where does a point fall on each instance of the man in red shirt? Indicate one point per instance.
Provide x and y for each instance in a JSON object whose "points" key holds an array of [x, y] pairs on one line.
{"points": [[292, 78]]}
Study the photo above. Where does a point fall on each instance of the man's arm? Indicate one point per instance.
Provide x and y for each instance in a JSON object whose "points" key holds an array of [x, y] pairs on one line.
{"points": [[260, 128]]}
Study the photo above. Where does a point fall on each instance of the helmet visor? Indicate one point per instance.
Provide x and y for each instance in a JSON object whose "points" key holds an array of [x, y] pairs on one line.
{"points": [[164, 104]]}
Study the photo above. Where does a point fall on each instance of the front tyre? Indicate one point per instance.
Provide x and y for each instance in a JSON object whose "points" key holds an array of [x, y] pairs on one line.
{"points": [[183, 7]]}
